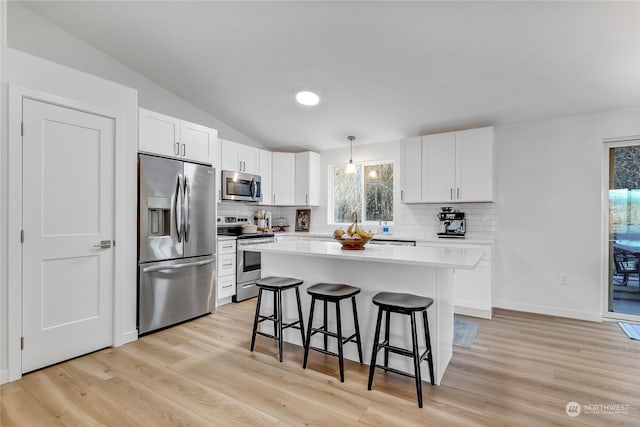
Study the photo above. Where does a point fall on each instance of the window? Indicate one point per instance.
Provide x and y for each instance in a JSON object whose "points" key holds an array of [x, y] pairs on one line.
{"points": [[369, 192]]}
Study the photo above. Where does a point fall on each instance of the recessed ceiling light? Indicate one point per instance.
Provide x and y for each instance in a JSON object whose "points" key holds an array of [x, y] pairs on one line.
{"points": [[307, 98]]}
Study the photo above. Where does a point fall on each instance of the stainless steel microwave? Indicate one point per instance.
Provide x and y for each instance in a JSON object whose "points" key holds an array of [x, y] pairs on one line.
{"points": [[241, 187]]}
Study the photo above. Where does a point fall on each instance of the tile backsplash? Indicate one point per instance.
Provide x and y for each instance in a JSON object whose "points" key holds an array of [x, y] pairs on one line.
{"points": [[415, 220]]}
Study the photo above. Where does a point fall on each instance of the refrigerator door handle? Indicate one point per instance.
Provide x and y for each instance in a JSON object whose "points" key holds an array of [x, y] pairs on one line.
{"points": [[187, 209], [176, 266], [177, 208]]}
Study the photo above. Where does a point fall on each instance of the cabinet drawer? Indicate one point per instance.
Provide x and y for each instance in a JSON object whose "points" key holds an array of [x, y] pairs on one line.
{"points": [[226, 286], [227, 265], [226, 247]]}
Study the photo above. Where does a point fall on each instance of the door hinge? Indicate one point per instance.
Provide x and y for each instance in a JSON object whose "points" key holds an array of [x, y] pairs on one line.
{"points": [[21, 343], [21, 236], [22, 128]]}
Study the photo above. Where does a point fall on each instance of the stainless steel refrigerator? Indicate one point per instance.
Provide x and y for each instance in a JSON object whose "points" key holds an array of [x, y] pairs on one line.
{"points": [[176, 241]]}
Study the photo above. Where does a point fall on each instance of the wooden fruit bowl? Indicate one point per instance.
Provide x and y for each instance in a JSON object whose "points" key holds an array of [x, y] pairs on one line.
{"points": [[353, 244]]}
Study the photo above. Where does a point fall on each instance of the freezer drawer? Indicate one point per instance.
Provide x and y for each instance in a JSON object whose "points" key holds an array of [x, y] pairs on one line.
{"points": [[170, 292]]}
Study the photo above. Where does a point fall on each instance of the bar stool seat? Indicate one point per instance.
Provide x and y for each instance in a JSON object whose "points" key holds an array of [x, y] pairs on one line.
{"points": [[407, 304], [399, 302], [332, 292], [276, 285]]}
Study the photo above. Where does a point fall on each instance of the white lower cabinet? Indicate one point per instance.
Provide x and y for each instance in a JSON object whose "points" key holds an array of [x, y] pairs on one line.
{"points": [[226, 271]]}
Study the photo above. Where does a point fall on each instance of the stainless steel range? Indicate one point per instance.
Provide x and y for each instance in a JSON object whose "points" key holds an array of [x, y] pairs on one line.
{"points": [[248, 265]]}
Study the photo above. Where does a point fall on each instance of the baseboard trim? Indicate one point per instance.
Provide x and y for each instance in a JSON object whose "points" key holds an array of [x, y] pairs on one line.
{"points": [[549, 311], [4, 377], [130, 336], [473, 312]]}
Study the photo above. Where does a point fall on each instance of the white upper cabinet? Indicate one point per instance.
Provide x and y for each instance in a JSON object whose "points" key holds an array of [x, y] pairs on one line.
{"points": [[474, 165], [283, 174], [438, 167], [171, 137], [198, 142], [240, 158], [411, 155], [448, 167], [307, 179], [265, 176]]}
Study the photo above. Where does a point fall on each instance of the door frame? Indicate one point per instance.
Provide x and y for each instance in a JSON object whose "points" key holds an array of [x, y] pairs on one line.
{"points": [[609, 143], [14, 246]]}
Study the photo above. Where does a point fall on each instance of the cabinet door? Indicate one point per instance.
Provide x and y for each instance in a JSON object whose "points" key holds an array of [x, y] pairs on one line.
{"points": [[283, 174], [307, 181], [411, 169], [158, 134], [230, 153], [250, 158], [265, 176], [474, 165], [197, 142], [438, 168]]}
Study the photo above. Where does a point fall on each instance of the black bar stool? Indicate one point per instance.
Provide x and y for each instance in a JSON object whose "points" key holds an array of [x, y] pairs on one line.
{"points": [[277, 285], [329, 292], [390, 302]]}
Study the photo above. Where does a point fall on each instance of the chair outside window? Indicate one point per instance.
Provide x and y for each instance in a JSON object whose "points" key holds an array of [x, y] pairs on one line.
{"points": [[626, 264]]}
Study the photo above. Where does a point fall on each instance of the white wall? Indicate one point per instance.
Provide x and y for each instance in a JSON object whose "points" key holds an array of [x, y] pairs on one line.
{"points": [[38, 74], [30, 33], [549, 212]]}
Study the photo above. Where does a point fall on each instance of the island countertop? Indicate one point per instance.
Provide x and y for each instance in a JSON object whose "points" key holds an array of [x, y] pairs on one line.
{"points": [[462, 258]]}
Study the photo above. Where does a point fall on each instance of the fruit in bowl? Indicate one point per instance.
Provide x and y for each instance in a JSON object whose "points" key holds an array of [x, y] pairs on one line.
{"points": [[354, 238]]}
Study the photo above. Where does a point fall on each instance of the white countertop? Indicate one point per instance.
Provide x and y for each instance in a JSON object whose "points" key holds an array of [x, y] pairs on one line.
{"points": [[463, 258], [468, 241]]}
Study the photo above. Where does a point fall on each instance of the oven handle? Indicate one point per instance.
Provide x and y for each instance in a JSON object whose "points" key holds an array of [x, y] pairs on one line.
{"points": [[254, 242]]}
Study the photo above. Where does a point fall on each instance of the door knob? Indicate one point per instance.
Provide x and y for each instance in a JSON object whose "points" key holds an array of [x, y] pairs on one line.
{"points": [[104, 244]]}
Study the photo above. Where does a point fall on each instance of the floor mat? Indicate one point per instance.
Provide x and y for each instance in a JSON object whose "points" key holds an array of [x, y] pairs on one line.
{"points": [[464, 333], [632, 331]]}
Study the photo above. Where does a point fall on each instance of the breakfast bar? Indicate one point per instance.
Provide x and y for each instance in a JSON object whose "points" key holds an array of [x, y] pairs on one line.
{"points": [[424, 271]]}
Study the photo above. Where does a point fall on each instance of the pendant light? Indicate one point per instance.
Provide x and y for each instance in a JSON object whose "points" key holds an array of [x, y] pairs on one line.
{"points": [[351, 168]]}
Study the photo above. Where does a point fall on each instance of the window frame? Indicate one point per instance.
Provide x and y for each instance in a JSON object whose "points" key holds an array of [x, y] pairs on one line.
{"points": [[362, 213]]}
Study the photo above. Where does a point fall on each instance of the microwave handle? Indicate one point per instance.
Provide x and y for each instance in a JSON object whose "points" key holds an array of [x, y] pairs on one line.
{"points": [[252, 188]]}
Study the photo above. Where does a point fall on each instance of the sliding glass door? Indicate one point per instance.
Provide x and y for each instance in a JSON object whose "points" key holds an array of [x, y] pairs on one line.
{"points": [[624, 230]]}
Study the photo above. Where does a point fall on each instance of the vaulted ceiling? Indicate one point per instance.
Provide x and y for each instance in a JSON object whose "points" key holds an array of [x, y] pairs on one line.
{"points": [[383, 70]]}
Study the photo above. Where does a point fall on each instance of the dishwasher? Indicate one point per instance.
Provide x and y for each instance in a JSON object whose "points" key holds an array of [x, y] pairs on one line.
{"points": [[392, 242]]}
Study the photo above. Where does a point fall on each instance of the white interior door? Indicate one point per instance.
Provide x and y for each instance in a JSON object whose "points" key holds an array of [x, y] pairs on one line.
{"points": [[68, 174]]}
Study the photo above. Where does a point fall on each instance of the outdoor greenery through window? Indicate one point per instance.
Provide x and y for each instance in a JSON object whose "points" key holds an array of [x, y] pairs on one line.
{"points": [[369, 192]]}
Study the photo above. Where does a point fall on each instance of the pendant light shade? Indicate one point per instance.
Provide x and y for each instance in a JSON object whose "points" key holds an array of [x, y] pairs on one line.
{"points": [[351, 168]]}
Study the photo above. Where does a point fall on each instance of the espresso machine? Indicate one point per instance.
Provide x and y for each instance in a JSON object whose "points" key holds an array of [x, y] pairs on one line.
{"points": [[453, 223]]}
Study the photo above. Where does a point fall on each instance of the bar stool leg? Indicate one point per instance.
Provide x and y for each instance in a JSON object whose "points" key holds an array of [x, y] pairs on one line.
{"points": [[307, 342], [339, 331], [416, 359], [386, 338], [255, 319], [280, 340], [300, 315], [325, 325], [374, 353], [428, 339], [355, 322]]}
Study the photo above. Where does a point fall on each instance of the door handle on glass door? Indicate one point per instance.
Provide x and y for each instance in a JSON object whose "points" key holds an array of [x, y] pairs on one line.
{"points": [[177, 208]]}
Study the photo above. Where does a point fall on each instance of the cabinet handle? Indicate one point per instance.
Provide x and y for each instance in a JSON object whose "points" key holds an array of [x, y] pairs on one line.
{"points": [[451, 193], [240, 165], [228, 286], [184, 149], [227, 264], [402, 195], [176, 148], [274, 199], [244, 166], [458, 193], [306, 199]]}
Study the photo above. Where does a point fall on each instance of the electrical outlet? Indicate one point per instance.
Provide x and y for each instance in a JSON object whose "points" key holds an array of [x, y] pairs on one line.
{"points": [[564, 279]]}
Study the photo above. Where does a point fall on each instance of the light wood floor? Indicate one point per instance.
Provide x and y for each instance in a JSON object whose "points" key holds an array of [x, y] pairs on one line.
{"points": [[522, 370]]}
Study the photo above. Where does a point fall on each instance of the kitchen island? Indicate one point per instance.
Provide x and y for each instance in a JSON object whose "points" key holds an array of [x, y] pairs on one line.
{"points": [[426, 271]]}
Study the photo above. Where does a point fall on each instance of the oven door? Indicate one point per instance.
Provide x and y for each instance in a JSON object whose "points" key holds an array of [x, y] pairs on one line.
{"points": [[248, 261]]}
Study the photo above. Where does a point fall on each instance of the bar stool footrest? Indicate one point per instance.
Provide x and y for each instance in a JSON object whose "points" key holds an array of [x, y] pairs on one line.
{"points": [[394, 349], [323, 331], [264, 334], [294, 325], [262, 318], [322, 350], [395, 371]]}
